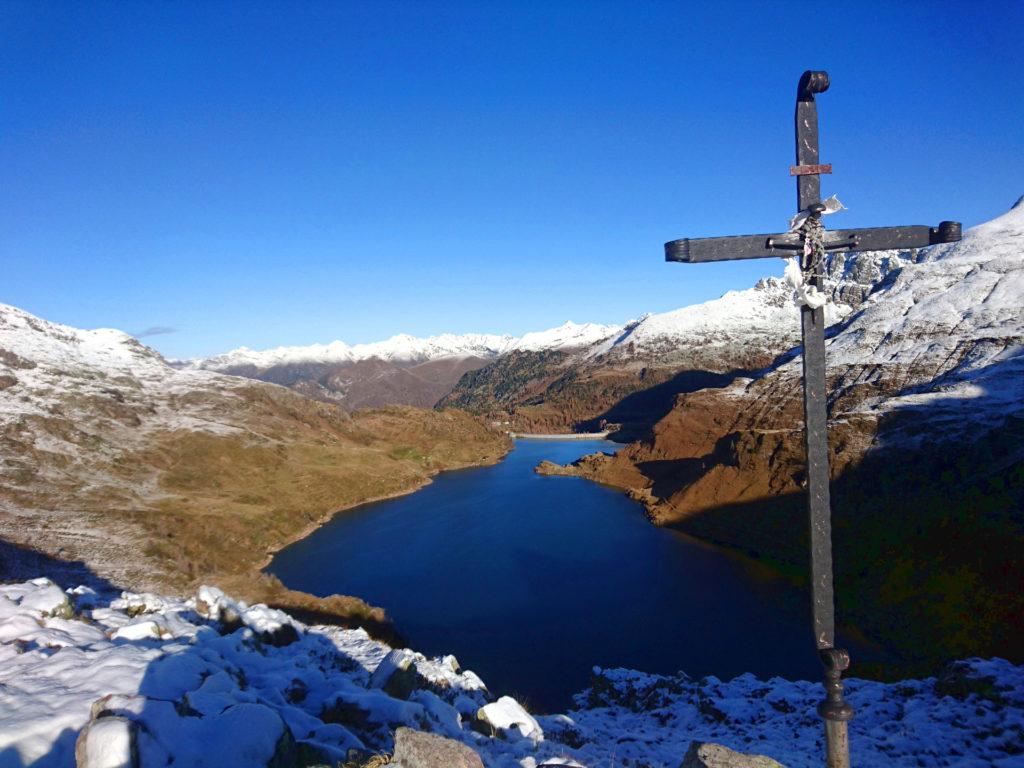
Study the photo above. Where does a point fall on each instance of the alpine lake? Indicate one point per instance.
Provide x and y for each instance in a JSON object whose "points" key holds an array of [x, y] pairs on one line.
{"points": [[532, 581]]}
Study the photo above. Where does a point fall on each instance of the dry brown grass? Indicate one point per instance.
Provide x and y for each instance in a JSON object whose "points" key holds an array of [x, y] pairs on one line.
{"points": [[377, 761]]}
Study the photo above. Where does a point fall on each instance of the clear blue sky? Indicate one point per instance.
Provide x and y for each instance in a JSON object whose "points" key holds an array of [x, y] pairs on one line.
{"points": [[267, 174]]}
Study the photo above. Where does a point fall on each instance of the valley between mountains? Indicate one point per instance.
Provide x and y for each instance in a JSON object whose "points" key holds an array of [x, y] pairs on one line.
{"points": [[153, 474], [926, 427]]}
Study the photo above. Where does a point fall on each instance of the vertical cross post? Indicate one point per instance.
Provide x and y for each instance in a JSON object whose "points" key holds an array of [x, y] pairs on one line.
{"points": [[835, 711]]}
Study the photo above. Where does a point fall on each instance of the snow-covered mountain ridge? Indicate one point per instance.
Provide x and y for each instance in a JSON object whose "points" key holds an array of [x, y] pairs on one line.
{"points": [[741, 329], [761, 310], [407, 349], [49, 369]]}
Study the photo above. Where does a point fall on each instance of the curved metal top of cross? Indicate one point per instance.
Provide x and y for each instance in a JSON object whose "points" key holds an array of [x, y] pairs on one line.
{"points": [[811, 82]]}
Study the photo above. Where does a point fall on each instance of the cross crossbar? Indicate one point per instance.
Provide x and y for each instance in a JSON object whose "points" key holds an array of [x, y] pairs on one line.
{"points": [[807, 170], [705, 249]]}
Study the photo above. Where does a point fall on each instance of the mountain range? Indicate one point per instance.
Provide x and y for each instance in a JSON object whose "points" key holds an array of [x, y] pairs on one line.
{"points": [[571, 378], [401, 370]]}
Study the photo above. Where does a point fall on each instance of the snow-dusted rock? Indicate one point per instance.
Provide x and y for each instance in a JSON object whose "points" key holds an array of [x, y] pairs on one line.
{"points": [[43, 598], [269, 624], [135, 603], [703, 755], [396, 674], [212, 603], [108, 742], [414, 749], [508, 717], [139, 630], [403, 671]]}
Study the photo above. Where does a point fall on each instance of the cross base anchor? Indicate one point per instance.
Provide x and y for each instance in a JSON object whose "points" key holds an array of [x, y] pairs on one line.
{"points": [[835, 710]]}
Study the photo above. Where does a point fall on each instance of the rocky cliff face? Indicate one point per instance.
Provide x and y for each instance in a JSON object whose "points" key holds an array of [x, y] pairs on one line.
{"points": [[154, 477], [926, 378]]}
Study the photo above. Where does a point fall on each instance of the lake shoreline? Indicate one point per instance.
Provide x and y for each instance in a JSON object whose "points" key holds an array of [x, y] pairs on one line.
{"points": [[560, 435], [490, 462], [326, 518], [539, 547]]}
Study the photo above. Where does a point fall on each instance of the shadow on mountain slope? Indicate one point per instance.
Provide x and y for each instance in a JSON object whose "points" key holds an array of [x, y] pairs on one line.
{"points": [[19, 563], [639, 411], [928, 543]]}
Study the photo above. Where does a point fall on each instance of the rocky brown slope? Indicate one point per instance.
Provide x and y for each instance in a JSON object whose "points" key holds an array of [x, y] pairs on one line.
{"points": [[156, 478], [369, 383], [927, 444]]}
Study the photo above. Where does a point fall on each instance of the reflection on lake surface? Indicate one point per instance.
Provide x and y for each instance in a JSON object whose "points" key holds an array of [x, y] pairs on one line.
{"points": [[531, 581]]}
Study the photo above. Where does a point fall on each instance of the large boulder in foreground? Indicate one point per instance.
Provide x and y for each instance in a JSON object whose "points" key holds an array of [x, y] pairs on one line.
{"points": [[705, 755], [415, 749]]}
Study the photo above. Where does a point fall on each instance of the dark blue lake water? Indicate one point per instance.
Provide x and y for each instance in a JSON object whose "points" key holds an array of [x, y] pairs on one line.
{"points": [[531, 581]]}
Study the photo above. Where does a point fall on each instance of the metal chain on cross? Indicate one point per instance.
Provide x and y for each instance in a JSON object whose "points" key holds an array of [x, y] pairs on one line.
{"points": [[814, 246], [801, 274]]}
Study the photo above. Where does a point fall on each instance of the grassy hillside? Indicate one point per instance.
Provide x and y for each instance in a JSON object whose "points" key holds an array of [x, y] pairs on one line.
{"points": [[186, 506]]}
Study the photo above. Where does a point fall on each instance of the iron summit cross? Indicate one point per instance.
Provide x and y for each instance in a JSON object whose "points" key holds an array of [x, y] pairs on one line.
{"points": [[834, 709]]}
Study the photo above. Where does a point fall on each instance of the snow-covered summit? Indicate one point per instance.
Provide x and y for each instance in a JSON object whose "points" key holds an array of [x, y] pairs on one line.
{"points": [[745, 325], [748, 317], [570, 335], [46, 366], [41, 342]]}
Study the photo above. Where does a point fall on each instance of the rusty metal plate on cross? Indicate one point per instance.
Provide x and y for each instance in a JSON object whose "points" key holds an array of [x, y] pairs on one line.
{"points": [[807, 170]]}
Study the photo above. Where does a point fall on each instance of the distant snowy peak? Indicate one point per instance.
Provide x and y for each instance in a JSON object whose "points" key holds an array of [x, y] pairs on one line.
{"points": [[400, 348], [404, 348], [568, 336]]}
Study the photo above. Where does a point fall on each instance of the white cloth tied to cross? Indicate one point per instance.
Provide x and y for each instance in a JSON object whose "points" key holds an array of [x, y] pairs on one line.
{"points": [[805, 294]]}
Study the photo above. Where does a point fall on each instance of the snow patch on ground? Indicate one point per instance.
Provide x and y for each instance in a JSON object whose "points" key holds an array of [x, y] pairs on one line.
{"points": [[195, 690]]}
